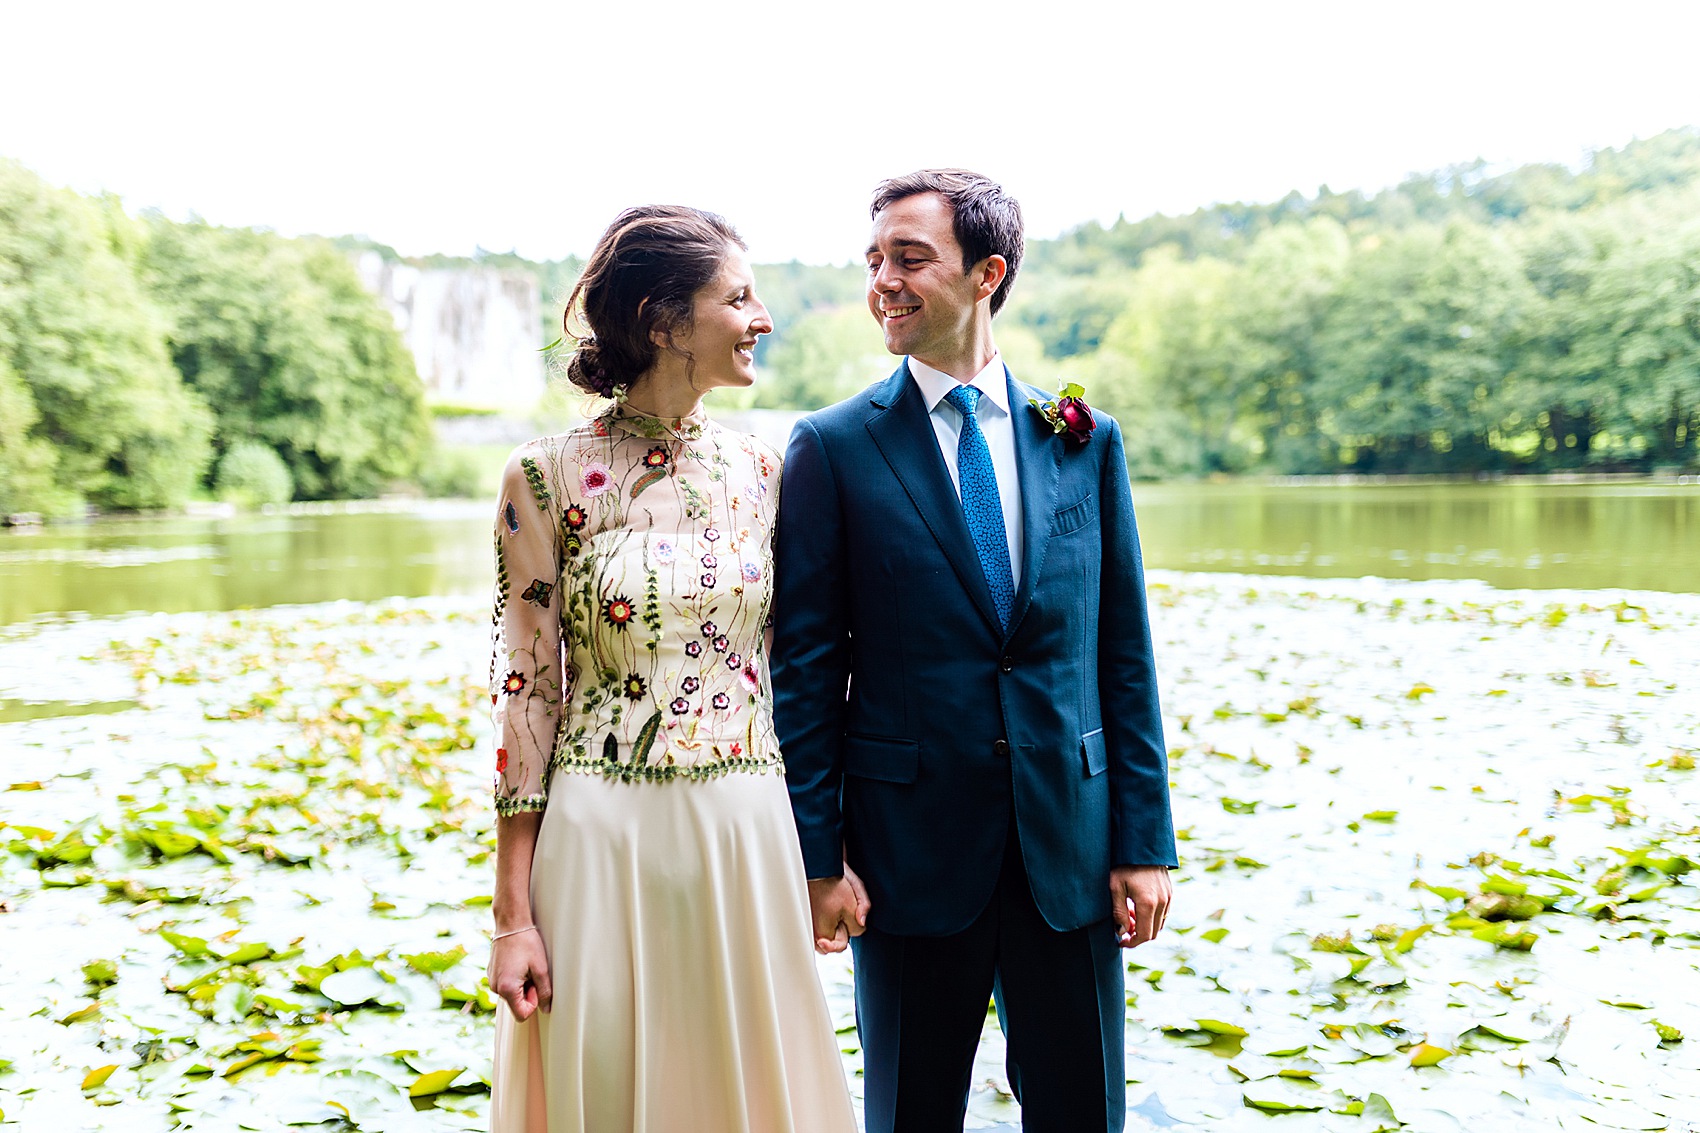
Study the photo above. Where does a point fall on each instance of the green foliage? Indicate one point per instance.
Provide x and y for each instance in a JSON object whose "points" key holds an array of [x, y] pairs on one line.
{"points": [[281, 339], [251, 474], [91, 409], [464, 471], [829, 354]]}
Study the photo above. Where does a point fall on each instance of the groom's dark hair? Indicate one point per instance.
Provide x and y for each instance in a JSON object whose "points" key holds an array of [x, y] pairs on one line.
{"points": [[985, 219]]}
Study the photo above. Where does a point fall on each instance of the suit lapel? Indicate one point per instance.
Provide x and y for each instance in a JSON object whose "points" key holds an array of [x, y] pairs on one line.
{"points": [[903, 432], [1038, 464]]}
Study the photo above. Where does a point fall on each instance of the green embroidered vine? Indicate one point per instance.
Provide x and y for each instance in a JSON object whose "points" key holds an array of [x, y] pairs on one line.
{"points": [[534, 477]]}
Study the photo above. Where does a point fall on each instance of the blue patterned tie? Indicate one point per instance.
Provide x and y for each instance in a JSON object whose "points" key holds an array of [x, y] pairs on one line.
{"points": [[980, 502]]}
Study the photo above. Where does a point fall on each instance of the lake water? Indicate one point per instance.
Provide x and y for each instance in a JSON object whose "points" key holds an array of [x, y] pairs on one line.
{"points": [[1514, 535]]}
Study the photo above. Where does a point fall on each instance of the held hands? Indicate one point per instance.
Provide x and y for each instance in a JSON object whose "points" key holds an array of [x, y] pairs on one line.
{"points": [[1139, 897], [839, 907], [519, 973]]}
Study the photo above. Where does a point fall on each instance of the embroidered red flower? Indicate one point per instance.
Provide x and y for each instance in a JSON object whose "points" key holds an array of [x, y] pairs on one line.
{"points": [[512, 683], [501, 760], [617, 611], [574, 516], [1068, 414], [656, 457], [596, 478]]}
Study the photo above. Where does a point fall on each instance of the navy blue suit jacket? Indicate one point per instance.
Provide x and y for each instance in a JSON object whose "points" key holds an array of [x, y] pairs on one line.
{"points": [[912, 723]]}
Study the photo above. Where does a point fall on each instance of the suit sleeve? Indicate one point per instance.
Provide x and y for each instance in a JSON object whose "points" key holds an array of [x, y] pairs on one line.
{"points": [[811, 649], [1142, 828]]}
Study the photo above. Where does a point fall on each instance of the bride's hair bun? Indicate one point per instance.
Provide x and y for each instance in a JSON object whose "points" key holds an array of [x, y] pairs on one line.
{"points": [[642, 278], [586, 370]]}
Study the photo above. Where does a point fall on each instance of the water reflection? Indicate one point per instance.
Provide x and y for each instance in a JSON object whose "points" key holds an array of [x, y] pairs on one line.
{"points": [[1641, 536], [1644, 537], [246, 561]]}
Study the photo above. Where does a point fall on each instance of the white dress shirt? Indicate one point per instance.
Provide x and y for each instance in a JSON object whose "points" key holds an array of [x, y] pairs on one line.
{"points": [[998, 426]]}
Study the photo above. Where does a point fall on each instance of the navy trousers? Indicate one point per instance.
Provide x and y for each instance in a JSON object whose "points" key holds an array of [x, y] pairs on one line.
{"points": [[1060, 996]]}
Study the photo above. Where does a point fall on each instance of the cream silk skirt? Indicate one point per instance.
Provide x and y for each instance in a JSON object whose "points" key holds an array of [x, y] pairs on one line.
{"points": [[686, 999]]}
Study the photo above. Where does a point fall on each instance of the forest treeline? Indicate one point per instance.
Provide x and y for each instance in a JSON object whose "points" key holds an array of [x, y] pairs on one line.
{"points": [[1539, 319], [144, 362]]}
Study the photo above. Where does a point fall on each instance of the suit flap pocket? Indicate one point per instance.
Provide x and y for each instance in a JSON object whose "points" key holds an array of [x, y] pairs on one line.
{"points": [[1092, 750], [875, 757], [1072, 517]]}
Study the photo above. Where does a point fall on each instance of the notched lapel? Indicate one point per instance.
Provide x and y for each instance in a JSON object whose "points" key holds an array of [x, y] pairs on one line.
{"points": [[903, 433], [1038, 465]]}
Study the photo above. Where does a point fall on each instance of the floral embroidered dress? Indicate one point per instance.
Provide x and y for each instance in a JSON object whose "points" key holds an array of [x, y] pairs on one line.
{"points": [[632, 708]]}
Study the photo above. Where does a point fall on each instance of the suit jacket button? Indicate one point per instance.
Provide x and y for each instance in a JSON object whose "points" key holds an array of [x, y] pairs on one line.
{"points": [[1001, 749], [1007, 665]]}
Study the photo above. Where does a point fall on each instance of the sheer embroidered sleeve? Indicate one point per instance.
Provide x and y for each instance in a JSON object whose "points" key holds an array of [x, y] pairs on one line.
{"points": [[526, 664]]}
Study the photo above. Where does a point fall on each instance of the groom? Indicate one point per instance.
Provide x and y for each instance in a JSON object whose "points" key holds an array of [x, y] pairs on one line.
{"points": [[965, 692]]}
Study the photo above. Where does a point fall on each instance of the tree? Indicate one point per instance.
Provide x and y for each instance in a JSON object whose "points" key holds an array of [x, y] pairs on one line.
{"points": [[1417, 343], [827, 355], [279, 337], [93, 410], [1188, 356]]}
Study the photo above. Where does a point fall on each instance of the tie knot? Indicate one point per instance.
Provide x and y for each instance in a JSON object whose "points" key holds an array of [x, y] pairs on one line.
{"points": [[965, 398]]}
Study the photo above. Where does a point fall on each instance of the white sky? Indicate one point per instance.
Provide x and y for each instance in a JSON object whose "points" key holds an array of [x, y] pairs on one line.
{"points": [[437, 127]]}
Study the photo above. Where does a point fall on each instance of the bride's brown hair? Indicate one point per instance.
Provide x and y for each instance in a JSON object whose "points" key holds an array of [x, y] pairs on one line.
{"points": [[641, 278]]}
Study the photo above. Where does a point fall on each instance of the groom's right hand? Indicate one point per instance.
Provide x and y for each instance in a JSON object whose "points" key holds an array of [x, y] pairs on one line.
{"points": [[839, 907]]}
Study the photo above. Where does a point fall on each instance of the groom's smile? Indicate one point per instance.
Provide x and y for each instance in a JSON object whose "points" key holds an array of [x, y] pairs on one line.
{"points": [[919, 289]]}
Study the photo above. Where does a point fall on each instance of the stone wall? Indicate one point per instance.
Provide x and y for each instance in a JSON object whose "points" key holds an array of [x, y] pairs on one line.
{"points": [[473, 331]]}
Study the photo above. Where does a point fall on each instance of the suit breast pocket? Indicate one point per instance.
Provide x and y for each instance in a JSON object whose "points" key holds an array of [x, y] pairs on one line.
{"points": [[1074, 516]]}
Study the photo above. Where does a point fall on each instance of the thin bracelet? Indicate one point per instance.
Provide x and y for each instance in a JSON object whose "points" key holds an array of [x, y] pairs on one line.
{"points": [[512, 932]]}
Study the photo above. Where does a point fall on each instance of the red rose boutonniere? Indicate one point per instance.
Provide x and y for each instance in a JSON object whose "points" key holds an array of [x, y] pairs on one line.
{"points": [[1068, 414]]}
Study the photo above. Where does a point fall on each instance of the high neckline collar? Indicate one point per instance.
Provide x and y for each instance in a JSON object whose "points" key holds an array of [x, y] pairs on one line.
{"points": [[623, 417]]}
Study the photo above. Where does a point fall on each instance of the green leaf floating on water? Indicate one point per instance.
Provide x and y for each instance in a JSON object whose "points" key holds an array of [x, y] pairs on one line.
{"points": [[241, 953], [434, 1082], [432, 963], [1426, 1054], [1218, 1027], [188, 945], [1274, 1096], [1497, 884], [100, 973], [1508, 935], [97, 1077]]}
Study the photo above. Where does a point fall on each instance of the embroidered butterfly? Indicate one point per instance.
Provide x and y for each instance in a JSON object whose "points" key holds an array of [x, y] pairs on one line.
{"points": [[538, 592]]}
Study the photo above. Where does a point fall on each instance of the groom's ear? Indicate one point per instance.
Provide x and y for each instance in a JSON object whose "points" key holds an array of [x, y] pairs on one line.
{"points": [[989, 274]]}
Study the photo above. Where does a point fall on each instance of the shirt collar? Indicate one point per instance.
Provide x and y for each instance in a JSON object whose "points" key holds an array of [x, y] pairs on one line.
{"points": [[936, 384]]}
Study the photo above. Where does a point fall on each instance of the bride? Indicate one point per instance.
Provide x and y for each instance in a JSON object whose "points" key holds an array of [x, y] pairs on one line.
{"points": [[652, 934]]}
